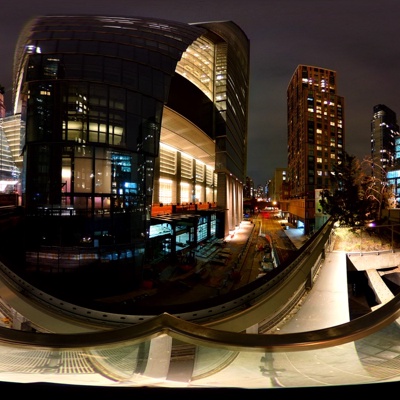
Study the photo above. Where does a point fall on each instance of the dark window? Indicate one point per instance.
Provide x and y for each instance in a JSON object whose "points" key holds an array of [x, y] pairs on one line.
{"points": [[93, 68], [125, 51], [112, 70], [67, 46], [73, 66], [108, 49], [129, 74], [89, 47]]}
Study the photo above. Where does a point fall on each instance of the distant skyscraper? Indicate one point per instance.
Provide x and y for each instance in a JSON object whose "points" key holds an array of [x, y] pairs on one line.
{"points": [[385, 148], [248, 190], [278, 185], [384, 130], [2, 105], [8, 169], [316, 138], [14, 133]]}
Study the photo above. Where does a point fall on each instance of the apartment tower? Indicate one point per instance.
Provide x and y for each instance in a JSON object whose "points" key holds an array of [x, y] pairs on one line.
{"points": [[316, 139]]}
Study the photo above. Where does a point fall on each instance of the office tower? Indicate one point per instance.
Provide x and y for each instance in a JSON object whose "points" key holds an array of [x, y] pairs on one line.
{"points": [[384, 131], [316, 139], [278, 185], [8, 171], [248, 190], [390, 129], [123, 114], [2, 104], [14, 133]]}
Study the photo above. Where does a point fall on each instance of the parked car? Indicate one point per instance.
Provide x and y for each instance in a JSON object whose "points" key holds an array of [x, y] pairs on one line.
{"points": [[267, 258], [267, 266]]}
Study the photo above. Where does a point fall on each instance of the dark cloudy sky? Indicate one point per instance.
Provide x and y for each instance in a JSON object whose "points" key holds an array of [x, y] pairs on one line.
{"points": [[359, 39]]}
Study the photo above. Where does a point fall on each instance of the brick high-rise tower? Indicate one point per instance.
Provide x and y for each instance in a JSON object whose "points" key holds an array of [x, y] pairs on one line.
{"points": [[316, 138]]}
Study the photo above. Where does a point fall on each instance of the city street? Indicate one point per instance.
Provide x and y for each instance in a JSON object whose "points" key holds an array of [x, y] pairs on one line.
{"points": [[272, 226], [243, 253]]}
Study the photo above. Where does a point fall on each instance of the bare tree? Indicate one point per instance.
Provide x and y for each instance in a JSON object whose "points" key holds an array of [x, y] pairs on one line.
{"points": [[376, 191]]}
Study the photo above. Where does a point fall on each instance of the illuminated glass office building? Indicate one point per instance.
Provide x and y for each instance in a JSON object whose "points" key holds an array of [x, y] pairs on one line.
{"points": [[9, 172], [124, 116], [384, 131]]}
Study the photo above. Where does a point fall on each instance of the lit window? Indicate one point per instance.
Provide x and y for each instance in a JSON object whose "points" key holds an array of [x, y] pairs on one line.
{"points": [[197, 65], [167, 160], [185, 192], [186, 167], [165, 191]]}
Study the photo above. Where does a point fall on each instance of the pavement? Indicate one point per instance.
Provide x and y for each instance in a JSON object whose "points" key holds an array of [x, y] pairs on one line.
{"points": [[327, 303]]}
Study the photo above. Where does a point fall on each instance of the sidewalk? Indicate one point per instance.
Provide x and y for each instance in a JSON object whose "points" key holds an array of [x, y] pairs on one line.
{"points": [[296, 236], [326, 304]]}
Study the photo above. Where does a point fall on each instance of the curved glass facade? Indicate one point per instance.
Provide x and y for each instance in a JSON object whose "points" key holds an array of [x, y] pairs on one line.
{"points": [[197, 65], [92, 93]]}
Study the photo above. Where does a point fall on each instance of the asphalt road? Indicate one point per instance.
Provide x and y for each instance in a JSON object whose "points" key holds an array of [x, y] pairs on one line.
{"points": [[271, 226]]}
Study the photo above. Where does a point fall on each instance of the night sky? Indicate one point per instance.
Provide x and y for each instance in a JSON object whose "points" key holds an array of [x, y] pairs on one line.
{"points": [[359, 39]]}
